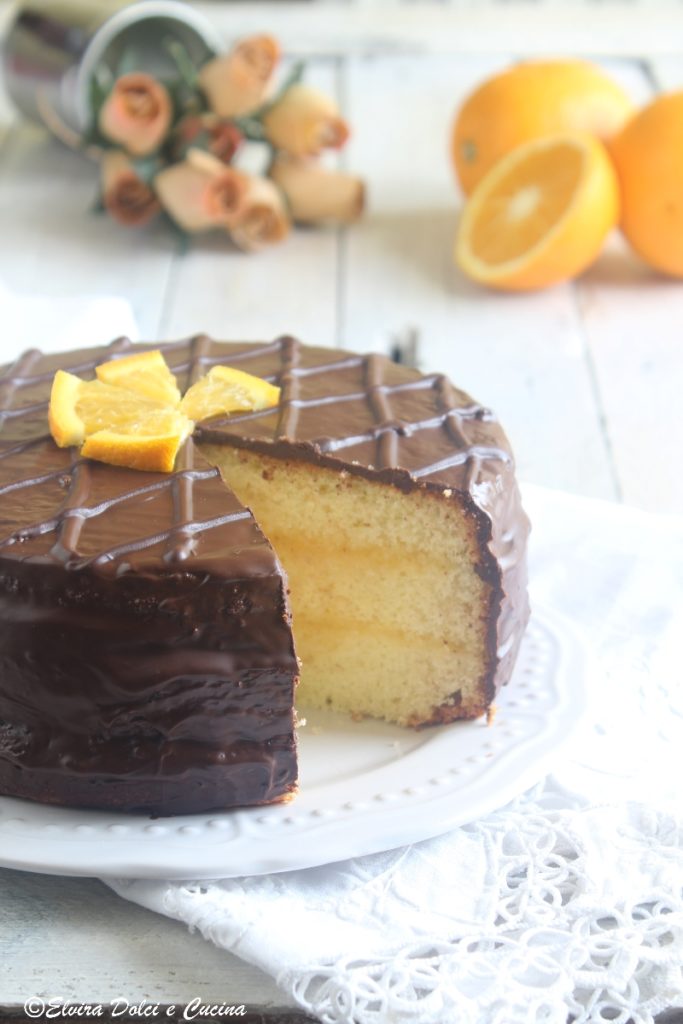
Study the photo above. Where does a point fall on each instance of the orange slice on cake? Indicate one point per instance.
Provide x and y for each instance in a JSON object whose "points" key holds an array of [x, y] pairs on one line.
{"points": [[114, 424], [224, 390], [132, 414], [146, 373], [155, 451]]}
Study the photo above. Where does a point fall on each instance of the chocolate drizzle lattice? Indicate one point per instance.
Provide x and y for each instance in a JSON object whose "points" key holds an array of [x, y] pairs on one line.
{"points": [[381, 416], [362, 413], [56, 507]]}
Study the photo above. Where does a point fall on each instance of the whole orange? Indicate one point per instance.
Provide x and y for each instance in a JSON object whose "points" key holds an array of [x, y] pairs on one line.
{"points": [[648, 155], [528, 101]]}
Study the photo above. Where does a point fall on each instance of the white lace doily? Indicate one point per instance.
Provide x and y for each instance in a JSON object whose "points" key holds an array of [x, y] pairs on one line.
{"points": [[565, 905]]}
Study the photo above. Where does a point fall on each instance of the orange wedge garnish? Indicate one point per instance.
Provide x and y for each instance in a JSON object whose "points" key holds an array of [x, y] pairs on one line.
{"points": [[225, 390], [154, 452], [130, 416], [66, 426], [79, 408], [146, 373], [114, 424]]}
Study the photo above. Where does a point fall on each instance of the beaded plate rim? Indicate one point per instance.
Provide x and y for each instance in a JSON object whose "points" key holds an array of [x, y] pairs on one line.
{"points": [[406, 787]]}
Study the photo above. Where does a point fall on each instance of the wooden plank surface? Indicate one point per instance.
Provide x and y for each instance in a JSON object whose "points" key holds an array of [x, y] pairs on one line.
{"points": [[485, 26], [73, 938], [552, 365], [53, 244], [524, 355], [632, 318], [291, 287]]}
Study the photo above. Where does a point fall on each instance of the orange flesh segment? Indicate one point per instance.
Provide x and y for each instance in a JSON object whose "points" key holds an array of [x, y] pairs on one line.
{"points": [[105, 407], [524, 206], [145, 373], [224, 390]]}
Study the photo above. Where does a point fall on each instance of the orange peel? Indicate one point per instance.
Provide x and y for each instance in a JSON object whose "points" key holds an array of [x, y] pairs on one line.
{"points": [[153, 452]]}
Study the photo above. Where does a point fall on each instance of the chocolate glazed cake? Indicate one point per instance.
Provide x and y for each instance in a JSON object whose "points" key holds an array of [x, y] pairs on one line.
{"points": [[146, 655]]}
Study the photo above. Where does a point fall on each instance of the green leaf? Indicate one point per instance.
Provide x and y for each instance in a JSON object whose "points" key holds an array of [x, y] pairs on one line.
{"points": [[91, 136], [182, 237], [97, 205], [147, 167], [99, 86], [98, 92], [129, 61], [293, 78], [187, 70], [251, 127], [184, 101]]}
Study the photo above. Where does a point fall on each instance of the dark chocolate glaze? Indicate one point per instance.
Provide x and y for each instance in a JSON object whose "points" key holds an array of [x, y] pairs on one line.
{"points": [[146, 656], [146, 660]]}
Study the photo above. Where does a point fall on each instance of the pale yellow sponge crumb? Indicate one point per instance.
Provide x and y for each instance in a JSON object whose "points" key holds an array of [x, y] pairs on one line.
{"points": [[389, 613]]}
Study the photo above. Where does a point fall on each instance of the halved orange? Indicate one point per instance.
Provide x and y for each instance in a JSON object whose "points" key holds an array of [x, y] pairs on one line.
{"points": [[226, 390], [146, 373], [540, 215]]}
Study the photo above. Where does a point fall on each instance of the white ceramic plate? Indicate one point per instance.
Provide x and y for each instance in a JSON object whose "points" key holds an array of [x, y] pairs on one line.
{"points": [[365, 787]]}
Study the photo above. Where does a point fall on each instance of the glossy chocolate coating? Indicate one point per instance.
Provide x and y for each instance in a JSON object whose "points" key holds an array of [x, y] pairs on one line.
{"points": [[146, 660]]}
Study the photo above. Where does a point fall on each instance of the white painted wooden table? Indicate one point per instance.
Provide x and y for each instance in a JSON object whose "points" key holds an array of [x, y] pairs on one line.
{"points": [[586, 377]]}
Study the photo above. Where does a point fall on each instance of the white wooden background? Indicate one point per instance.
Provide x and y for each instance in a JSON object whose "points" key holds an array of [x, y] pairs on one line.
{"points": [[586, 377]]}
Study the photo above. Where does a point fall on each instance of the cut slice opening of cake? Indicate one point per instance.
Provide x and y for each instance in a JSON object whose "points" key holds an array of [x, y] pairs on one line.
{"points": [[390, 607]]}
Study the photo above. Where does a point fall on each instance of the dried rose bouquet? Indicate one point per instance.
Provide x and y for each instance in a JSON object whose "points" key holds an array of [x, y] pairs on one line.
{"points": [[175, 147]]}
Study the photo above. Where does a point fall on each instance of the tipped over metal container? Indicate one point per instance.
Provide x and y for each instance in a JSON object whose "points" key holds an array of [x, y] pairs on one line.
{"points": [[53, 48]]}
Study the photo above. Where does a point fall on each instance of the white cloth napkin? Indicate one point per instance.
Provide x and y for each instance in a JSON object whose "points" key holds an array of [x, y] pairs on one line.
{"points": [[565, 904]]}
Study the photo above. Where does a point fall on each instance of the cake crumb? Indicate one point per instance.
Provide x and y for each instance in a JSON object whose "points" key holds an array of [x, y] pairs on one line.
{"points": [[491, 714], [299, 722], [447, 493], [357, 716]]}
